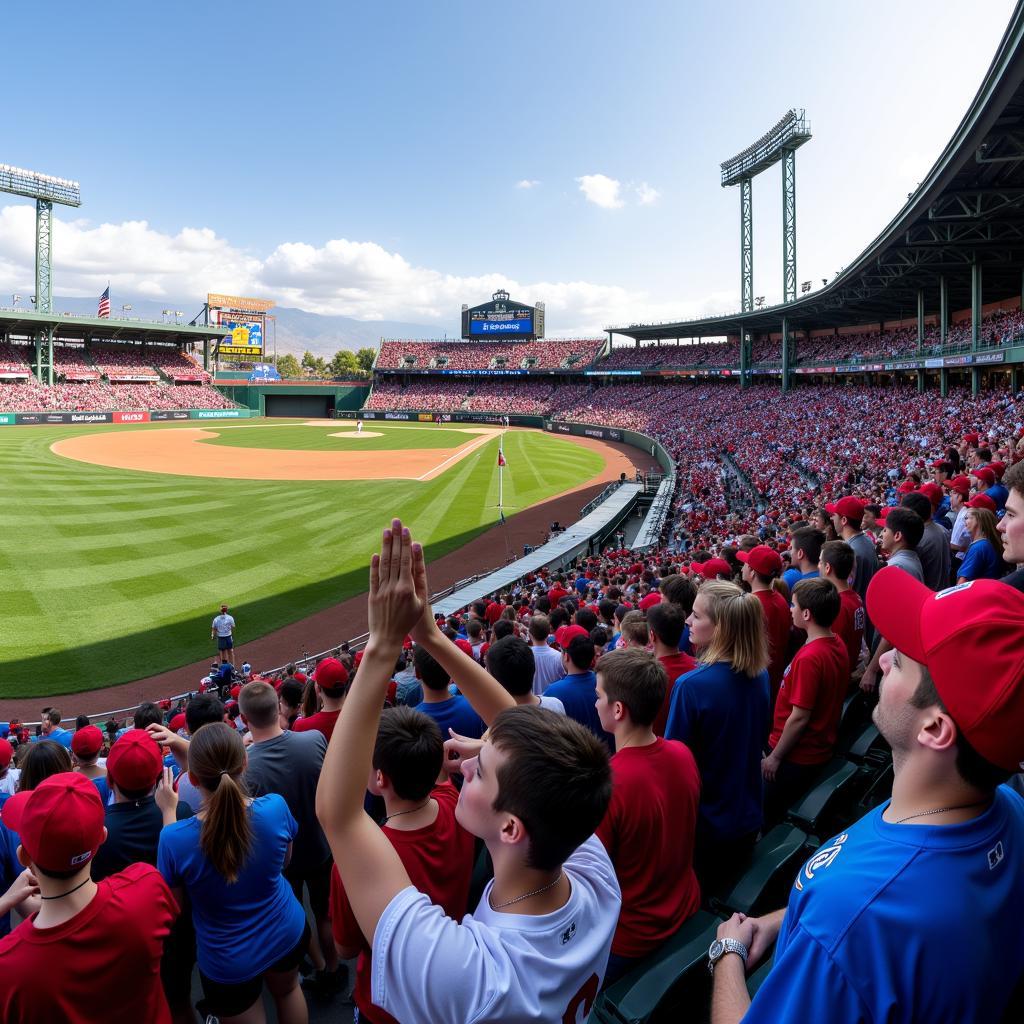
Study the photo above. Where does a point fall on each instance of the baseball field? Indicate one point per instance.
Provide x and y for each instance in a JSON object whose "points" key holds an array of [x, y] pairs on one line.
{"points": [[119, 542]]}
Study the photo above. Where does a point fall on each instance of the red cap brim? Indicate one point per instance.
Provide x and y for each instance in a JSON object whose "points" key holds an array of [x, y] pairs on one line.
{"points": [[895, 601]]}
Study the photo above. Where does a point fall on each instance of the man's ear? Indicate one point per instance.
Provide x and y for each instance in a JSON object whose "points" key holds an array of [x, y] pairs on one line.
{"points": [[23, 858], [513, 831], [938, 731]]}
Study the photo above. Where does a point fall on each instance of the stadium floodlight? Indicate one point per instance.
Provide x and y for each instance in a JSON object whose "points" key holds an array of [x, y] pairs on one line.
{"points": [[46, 190], [779, 143]]}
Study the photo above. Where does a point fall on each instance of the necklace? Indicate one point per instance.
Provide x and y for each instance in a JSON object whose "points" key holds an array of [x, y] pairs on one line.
{"points": [[526, 895], [69, 892], [941, 810], [411, 810]]}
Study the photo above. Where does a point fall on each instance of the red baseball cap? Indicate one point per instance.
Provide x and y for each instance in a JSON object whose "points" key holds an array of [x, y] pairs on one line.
{"points": [[135, 761], [906, 487], [933, 492], [60, 822], [985, 475], [87, 742], [850, 507], [6, 753], [977, 622], [999, 468], [971, 439], [565, 635], [763, 559], [712, 568], [883, 512], [649, 600], [300, 677], [465, 646], [330, 674], [960, 484], [982, 501], [177, 722]]}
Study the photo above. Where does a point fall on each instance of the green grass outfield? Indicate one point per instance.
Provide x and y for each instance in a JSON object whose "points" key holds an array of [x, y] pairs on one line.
{"points": [[112, 575]]}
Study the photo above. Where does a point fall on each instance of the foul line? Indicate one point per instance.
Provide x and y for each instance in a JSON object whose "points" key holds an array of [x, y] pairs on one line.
{"points": [[460, 453]]}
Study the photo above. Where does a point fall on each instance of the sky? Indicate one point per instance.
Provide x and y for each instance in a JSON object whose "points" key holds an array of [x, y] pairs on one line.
{"points": [[394, 160]]}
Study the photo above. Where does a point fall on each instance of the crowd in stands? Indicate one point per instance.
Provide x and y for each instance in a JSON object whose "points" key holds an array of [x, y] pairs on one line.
{"points": [[573, 353], [102, 396], [618, 742]]}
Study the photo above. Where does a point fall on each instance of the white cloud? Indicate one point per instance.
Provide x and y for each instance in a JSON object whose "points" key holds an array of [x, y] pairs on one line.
{"points": [[527, 183], [646, 194], [342, 277], [601, 190]]}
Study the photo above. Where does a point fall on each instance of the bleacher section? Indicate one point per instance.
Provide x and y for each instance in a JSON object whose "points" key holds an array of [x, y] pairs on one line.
{"points": [[574, 354]]}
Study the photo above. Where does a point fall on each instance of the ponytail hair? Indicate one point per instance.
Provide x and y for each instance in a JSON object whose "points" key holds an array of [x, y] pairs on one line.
{"points": [[740, 637], [216, 757]]}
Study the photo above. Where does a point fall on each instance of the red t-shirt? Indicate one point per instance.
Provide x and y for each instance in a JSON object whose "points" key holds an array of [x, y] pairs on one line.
{"points": [[777, 622], [849, 626], [494, 612], [648, 831], [324, 721], [102, 964], [439, 860], [675, 665], [555, 594], [816, 679]]}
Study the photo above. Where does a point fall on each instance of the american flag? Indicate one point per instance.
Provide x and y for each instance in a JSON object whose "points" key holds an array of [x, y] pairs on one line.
{"points": [[104, 309], [501, 458]]}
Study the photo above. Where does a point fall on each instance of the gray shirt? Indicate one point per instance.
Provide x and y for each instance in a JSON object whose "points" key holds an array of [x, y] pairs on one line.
{"points": [[908, 562], [866, 564], [547, 667], [933, 550], [290, 765]]}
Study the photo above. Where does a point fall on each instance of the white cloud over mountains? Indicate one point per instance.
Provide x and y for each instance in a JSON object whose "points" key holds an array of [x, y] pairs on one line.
{"points": [[342, 277]]}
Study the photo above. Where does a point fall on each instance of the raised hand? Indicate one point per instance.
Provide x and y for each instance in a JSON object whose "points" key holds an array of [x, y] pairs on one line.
{"points": [[395, 603]]}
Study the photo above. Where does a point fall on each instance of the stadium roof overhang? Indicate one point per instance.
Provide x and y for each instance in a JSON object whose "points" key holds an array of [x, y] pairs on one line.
{"points": [[28, 323], [969, 209]]}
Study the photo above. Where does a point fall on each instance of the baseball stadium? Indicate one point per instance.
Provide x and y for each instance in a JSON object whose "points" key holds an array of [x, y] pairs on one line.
{"points": [[846, 465]]}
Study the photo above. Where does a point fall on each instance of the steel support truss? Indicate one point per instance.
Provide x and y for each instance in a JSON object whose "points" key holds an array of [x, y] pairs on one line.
{"points": [[747, 245], [44, 224], [788, 225]]}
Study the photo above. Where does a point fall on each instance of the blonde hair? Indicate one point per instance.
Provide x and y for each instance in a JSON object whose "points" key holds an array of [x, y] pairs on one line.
{"points": [[739, 636], [986, 521]]}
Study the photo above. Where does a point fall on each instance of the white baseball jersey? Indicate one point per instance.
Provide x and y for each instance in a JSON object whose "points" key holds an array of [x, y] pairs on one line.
{"points": [[223, 625], [495, 966]]}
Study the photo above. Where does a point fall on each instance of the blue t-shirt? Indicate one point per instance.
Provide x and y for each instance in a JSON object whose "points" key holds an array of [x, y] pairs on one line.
{"points": [[103, 788], [578, 694], [981, 562], [245, 927], [903, 923], [791, 577], [58, 735], [723, 717], [9, 866], [582, 585], [998, 493], [455, 713]]}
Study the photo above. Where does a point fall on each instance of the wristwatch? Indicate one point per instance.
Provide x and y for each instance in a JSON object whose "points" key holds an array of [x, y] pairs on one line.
{"points": [[720, 947]]}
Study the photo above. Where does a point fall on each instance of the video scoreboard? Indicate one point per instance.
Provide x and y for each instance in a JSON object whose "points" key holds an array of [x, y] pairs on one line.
{"points": [[502, 318]]}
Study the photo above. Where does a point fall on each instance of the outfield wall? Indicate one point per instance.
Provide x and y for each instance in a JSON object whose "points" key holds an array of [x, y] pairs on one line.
{"points": [[339, 396], [631, 437], [130, 416]]}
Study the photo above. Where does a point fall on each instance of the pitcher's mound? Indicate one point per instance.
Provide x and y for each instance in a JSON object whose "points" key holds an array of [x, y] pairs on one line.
{"points": [[355, 433]]}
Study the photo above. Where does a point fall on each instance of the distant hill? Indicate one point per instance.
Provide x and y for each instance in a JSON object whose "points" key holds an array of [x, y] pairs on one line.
{"points": [[297, 330]]}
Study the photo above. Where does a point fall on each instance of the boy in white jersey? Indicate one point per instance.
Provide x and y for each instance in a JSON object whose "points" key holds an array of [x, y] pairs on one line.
{"points": [[536, 788]]}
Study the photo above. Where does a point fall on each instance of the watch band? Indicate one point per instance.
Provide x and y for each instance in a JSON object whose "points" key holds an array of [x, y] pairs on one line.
{"points": [[720, 947]]}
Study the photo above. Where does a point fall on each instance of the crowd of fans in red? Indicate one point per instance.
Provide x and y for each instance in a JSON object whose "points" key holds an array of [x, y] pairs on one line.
{"points": [[549, 354]]}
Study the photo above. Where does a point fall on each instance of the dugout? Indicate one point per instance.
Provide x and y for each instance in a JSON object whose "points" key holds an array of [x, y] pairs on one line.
{"points": [[300, 399]]}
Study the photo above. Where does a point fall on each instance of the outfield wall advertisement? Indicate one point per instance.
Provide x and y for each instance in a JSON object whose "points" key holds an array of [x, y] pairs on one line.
{"points": [[23, 419]]}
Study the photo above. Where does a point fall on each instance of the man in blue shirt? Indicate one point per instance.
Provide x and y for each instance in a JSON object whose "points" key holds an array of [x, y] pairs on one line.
{"points": [[449, 712], [577, 689], [51, 729], [913, 913], [805, 550]]}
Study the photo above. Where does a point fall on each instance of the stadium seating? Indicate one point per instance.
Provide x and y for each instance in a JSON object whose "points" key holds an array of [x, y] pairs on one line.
{"points": [[574, 353]]}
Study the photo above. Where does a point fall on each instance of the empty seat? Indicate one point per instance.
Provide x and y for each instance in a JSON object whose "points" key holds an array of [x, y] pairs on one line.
{"points": [[820, 810], [673, 983], [765, 885]]}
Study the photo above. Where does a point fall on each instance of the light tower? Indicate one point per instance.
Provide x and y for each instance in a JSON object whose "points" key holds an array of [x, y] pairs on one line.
{"points": [[778, 144], [46, 190]]}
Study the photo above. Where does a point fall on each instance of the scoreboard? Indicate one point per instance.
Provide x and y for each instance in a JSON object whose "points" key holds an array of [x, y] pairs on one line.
{"points": [[246, 319], [502, 318]]}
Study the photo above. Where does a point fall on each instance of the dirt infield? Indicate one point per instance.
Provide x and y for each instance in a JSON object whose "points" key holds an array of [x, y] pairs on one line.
{"points": [[181, 453], [490, 550]]}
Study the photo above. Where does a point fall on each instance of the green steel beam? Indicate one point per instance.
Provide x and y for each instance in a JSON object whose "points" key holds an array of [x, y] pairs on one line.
{"points": [[44, 229], [788, 225], [746, 245]]}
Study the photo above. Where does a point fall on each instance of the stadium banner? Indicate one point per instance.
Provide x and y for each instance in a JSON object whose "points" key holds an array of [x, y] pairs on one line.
{"points": [[38, 418], [80, 376], [956, 361], [170, 414], [131, 417], [425, 417], [989, 357], [8, 374], [218, 414], [612, 373], [7, 419], [132, 378]]}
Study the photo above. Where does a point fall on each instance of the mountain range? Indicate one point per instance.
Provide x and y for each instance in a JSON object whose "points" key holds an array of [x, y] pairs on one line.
{"points": [[297, 330]]}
